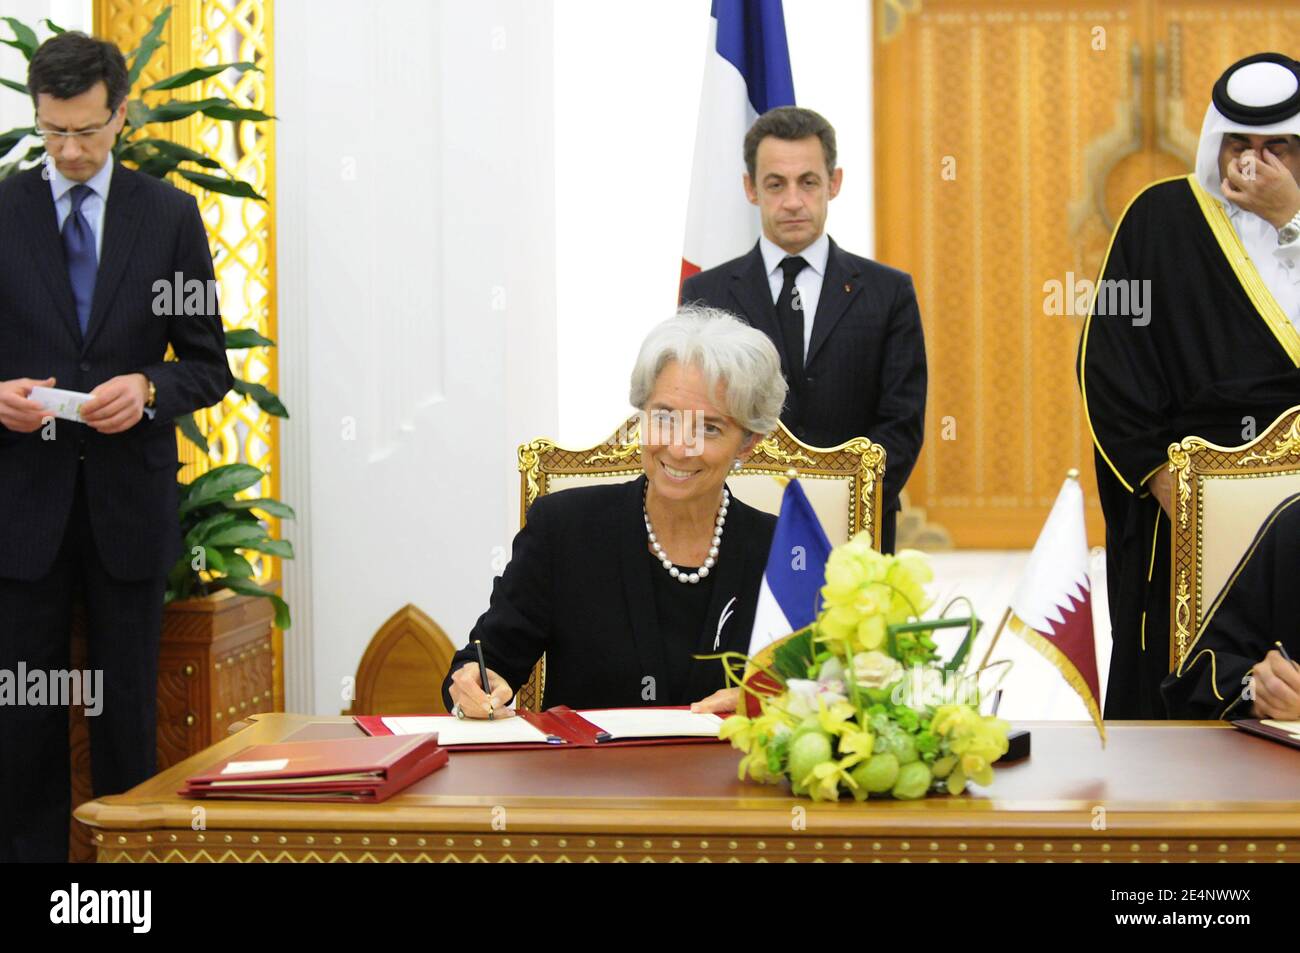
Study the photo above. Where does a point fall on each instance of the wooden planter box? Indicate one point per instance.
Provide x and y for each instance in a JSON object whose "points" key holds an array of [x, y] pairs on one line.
{"points": [[216, 664]]}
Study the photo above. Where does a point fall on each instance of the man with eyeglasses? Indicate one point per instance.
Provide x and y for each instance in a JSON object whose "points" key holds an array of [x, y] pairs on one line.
{"points": [[88, 508]]}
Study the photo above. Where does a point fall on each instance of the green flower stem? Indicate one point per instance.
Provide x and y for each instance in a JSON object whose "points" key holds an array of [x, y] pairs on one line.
{"points": [[726, 657], [958, 661], [928, 624]]}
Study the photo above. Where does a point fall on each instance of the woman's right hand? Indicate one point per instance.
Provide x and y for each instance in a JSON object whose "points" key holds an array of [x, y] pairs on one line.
{"points": [[467, 692]]}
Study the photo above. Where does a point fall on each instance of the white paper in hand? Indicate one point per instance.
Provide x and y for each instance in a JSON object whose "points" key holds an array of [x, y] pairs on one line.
{"points": [[65, 404]]}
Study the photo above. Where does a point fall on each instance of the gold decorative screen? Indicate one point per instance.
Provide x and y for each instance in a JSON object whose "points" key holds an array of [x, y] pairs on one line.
{"points": [[240, 231]]}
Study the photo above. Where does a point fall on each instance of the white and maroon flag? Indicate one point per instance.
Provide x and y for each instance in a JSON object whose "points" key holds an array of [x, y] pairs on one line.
{"points": [[746, 73], [1052, 607]]}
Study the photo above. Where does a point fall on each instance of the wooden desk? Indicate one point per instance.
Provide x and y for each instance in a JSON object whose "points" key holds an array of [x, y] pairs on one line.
{"points": [[1161, 791]]}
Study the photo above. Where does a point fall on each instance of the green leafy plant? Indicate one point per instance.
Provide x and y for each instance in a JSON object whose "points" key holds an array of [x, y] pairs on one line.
{"points": [[149, 154], [216, 526], [259, 394]]}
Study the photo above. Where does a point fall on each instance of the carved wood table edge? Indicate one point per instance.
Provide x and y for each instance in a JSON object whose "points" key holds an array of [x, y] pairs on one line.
{"points": [[743, 822]]}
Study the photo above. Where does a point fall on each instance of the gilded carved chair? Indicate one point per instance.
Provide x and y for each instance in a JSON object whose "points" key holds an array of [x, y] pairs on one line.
{"points": [[842, 484], [1221, 496]]}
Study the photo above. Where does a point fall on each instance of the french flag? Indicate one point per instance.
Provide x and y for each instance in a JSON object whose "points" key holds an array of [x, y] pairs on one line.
{"points": [[746, 73], [796, 571]]}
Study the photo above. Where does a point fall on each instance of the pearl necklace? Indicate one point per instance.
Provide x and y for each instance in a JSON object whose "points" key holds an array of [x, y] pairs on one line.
{"points": [[697, 575]]}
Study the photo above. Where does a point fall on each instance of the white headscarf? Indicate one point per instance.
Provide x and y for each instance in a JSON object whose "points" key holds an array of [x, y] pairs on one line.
{"points": [[1257, 84]]}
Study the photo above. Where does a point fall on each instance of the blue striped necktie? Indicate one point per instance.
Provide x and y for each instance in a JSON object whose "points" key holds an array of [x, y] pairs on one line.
{"points": [[79, 248]]}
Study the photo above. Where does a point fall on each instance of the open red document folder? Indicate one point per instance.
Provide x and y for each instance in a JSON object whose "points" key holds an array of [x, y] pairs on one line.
{"points": [[1283, 732], [369, 770], [556, 727]]}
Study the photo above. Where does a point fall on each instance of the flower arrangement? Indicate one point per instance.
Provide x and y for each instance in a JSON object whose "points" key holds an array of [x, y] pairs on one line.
{"points": [[863, 705]]}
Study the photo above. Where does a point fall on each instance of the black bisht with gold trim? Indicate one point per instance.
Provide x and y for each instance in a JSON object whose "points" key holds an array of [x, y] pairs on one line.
{"points": [[1212, 355]]}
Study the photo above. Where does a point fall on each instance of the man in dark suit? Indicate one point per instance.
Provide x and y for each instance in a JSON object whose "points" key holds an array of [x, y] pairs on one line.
{"points": [[89, 507], [848, 328]]}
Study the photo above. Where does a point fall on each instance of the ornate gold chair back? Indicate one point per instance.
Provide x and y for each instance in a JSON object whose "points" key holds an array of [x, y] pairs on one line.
{"points": [[1221, 497]]}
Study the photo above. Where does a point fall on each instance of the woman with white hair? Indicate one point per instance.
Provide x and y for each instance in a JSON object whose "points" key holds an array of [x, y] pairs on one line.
{"points": [[622, 585]]}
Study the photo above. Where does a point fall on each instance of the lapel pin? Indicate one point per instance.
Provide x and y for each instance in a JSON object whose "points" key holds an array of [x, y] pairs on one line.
{"points": [[727, 613], [847, 289]]}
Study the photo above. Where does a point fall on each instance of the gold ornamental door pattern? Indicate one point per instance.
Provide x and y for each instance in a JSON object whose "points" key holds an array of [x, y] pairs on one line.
{"points": [[1009, 137], [241, 232]]}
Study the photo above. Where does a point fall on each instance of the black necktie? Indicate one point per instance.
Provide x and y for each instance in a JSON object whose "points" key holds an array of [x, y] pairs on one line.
{"points": [[789, 314]]}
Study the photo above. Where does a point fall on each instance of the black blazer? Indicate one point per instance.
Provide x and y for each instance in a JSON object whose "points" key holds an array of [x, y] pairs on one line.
{"points": [[152, 231], [578, 587], [865, 367]]}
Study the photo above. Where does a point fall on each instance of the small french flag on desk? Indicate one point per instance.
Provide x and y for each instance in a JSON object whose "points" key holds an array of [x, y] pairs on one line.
{"points": [[796, 571]]}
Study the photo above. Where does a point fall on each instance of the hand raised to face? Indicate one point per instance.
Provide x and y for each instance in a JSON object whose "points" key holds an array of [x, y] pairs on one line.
{"points": [[1259, 182]]}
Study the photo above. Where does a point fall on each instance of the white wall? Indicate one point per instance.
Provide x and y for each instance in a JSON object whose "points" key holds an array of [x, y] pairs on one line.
{"points": [[416, 309], [479, 218], [15, 108], [627, 93]]}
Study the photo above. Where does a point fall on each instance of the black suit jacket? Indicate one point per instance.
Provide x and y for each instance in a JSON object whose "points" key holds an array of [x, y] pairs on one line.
{"points": [[865, 368], [579, 588], [152, 231]]}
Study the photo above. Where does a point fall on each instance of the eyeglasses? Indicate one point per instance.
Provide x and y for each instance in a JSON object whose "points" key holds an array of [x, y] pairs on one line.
{"points": [[60, 137]]}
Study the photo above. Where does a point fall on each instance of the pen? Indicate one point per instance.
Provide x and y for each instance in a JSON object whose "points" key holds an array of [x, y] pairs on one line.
{"points": [[1285, 654], [482, 668], [997, 701]]}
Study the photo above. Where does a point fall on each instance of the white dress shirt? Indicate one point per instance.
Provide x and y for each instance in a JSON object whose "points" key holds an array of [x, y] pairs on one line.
{"points": [[93, 205], [808, 281], [1278, 265]]}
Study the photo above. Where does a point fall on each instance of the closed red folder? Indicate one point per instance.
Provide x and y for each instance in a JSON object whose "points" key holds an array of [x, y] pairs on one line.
{"points": [[561, 722], [368, 770]]}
